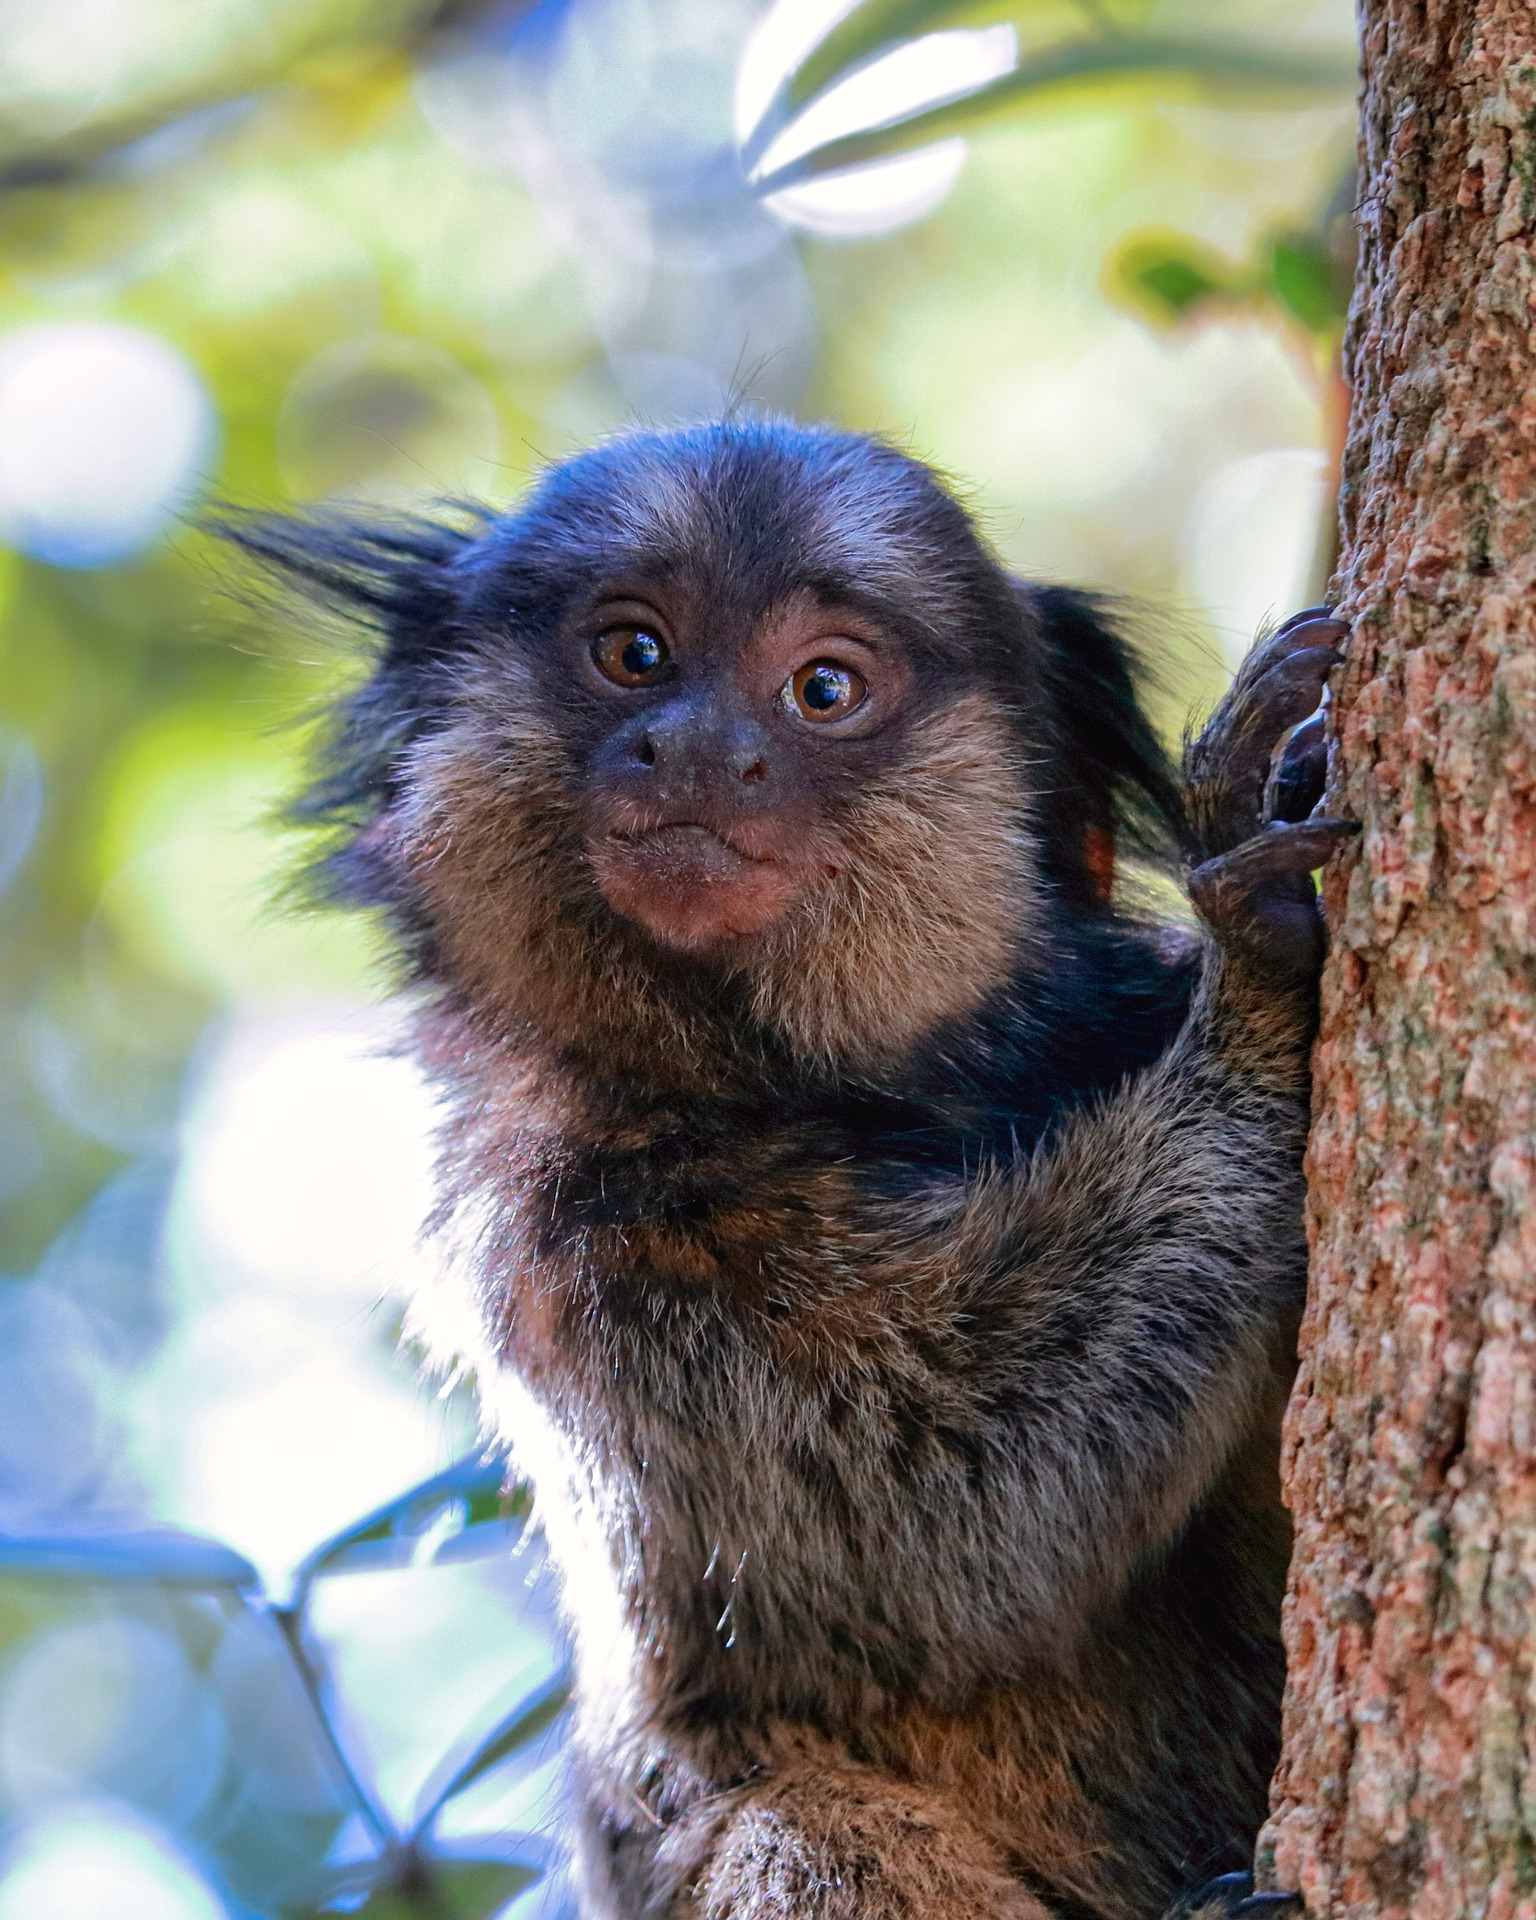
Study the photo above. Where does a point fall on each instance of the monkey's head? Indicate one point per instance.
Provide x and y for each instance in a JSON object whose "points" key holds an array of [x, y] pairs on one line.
{"points": [[734, 729]]}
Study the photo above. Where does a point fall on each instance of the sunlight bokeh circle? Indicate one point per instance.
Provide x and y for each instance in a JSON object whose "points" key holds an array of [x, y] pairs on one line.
{"points": [[105, 431]]}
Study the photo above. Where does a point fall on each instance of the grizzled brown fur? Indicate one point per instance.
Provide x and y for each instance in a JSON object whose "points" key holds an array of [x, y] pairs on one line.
{"points": [[882, 1251]]}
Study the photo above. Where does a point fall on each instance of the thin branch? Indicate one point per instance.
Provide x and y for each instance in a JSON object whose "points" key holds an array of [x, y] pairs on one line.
{"points": [[290, 1623], [1211, 62]]}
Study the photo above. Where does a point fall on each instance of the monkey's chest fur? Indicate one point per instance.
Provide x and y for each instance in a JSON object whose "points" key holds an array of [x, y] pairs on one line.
{"points": [[788, 1434]]}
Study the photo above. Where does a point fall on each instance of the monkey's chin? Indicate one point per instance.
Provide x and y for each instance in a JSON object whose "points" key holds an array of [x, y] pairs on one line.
{"points": [[689, 889]]}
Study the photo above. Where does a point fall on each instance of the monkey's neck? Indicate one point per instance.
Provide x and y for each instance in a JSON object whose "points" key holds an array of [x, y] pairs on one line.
{"points": [[624, 1120]]}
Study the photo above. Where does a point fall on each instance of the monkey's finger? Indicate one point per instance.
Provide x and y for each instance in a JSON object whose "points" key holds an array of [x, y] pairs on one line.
{"points": [[1286, 693], [1300, 770], [1230, 1896], [1285, 849], [1259, 900], [1306, 613], [1215, 1900], [1232, 757], [1301, 632]]}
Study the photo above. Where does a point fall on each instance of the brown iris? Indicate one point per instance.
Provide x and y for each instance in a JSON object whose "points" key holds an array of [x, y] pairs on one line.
{"points": [[823, 691], [629, 656]]}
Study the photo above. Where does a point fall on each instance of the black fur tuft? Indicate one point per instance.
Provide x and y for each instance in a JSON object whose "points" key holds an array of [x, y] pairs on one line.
{"points": [[1113, 772], [392, 574]]}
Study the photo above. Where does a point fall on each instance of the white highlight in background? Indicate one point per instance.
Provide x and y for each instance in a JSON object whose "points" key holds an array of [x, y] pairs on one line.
{"points": [[278, 1410], [105, 432], [776, 46], [925, 72], [878, 198], [93, 1865], [1251, 541]]}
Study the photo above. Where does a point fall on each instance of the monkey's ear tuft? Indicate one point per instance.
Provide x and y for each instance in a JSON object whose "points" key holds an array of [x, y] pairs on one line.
{"points": [[389, 571], [1115, 783], [395, 576]]}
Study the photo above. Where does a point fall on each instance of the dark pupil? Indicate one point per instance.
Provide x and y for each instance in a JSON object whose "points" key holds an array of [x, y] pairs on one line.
{"points": [[824, 688], [641, 655]]}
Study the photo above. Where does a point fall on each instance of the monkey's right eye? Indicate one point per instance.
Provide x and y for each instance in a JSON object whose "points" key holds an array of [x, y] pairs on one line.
{"points": [[629, 656]]}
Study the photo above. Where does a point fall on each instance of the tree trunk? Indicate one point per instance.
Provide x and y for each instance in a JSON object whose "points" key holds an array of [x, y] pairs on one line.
{"points": [[1408, 1782]]}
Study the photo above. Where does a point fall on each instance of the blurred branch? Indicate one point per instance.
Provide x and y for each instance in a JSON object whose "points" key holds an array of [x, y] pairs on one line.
{"points": [[290, 1624], [533, 1715], [217, 99], [425, 1523], [411, 1876], [161, 1556], [1302, 275], [1228, 65]]}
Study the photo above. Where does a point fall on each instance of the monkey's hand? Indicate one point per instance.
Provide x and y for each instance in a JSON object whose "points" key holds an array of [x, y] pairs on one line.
{"points": [[1232, 1898], [1249, 792], [851, 1843]]}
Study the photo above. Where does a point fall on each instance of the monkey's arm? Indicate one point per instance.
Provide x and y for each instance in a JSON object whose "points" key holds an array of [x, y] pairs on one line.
{"points": [[847, 1842], [1137, 1279]]}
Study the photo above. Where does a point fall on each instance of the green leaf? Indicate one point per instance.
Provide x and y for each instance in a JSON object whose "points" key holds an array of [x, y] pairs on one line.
{"points": [[1308, 282], [1167, 277], [1225, 66], [528, 1719]]}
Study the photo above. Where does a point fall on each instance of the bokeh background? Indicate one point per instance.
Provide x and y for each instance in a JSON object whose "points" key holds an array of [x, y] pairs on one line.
{"points": [[279, 251]]}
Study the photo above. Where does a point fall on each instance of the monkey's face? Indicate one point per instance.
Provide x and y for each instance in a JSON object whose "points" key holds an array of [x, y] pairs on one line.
{"points": [[724, 755], [728, 718]]}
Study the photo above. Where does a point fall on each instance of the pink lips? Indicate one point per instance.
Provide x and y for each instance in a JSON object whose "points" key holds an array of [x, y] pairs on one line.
{"points": [[686, 842], [687, 885]]}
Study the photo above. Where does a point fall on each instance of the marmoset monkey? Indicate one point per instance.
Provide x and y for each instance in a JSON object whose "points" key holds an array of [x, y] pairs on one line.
{"points": [[886, 1249]]}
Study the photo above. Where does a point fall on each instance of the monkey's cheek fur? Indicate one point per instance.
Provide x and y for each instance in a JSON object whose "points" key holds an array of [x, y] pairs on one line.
{"points": [[689, 889]]}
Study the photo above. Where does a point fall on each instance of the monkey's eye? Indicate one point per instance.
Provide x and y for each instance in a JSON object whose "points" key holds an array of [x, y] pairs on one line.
{"points": [[823, 691], [629, 656]]}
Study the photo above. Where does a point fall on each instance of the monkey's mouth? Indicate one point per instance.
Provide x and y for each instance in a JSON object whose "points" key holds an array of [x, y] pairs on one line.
{"points": [[689, 885], [687, 840]]}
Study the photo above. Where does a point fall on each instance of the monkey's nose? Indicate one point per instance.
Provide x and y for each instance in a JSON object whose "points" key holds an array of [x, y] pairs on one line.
{"points": [[690, 753], [746, 756]]}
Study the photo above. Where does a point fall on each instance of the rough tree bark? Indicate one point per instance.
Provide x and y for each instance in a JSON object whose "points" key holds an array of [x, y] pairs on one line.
{"points": [[1408, 1783]]}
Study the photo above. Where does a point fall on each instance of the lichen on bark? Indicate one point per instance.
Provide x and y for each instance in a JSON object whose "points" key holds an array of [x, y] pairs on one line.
{"points": [[1408, 1780]]}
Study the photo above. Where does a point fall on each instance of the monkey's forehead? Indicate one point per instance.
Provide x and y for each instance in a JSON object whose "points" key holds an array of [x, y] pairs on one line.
{"points": [[754, 510]]}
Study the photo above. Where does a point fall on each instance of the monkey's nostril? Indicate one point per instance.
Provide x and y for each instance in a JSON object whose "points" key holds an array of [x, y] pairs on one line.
{"points": [[645, 751], [757, 771]]}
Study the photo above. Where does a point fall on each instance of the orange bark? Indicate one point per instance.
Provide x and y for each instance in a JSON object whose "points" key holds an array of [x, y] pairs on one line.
{"points": [[1408, 1782]]}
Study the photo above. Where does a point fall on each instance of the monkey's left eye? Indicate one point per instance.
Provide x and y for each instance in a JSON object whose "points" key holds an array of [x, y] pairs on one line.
{"points": [[629, 656], [823, 691]]}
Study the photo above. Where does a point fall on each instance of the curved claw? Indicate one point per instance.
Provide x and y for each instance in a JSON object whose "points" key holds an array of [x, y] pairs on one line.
{"points": [[1324, 612], [1279, 698], [1299, 634], [1300, 772], [1232, 1898], [1233, 784]]}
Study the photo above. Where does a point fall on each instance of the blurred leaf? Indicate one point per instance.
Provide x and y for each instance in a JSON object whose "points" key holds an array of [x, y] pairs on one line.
{"points": [[532, 1716], [1167, 277], [1308, 281], [1211, 64], [458, 1514], [162, 1555], [467, 1880], [21, 800], [183, 103], [864, 35]]}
